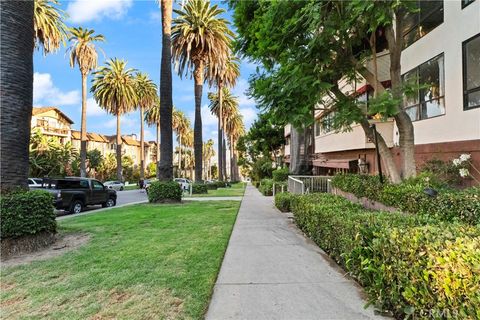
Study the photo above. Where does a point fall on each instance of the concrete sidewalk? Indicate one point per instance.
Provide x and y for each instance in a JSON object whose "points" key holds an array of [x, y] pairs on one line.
{"points": [[271, 271]]}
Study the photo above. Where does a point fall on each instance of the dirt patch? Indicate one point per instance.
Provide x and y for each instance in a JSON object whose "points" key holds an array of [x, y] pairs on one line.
{"points": [[63, 243]]}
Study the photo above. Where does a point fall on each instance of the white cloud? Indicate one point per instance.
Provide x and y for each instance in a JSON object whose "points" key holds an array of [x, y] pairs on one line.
{"points": [[81, 11], [155, 16], [46, 93], [93, 109], [125, 124], [208, 119], [240, 91], [149, 135], [249, 115]]}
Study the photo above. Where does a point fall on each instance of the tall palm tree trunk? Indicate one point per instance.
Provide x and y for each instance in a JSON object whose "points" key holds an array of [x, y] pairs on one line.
{"points": [[224, 156], [142, 147], [197, 129], [119, 151], [83, 129], [232, 176], [165, 166], [16, 87], [180, 159], [220, 132], [157, 159]]}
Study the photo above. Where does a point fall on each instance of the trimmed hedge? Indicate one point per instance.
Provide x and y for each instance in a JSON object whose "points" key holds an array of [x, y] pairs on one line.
{"points": [[199, 188], [280, 175], [409, 196], [27, 213], [409, 265], [212, 186], [283, 200], [161, 191], [266, 187]]}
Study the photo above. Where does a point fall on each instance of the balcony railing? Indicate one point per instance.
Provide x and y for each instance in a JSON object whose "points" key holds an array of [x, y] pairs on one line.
{"points": [[49, 129]]}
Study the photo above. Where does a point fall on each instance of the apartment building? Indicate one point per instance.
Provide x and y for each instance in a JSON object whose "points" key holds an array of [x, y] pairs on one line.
{"points": [[442, 48], [52, 122]]}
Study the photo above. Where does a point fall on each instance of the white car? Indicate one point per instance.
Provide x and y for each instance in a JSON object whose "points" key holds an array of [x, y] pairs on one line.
{"points": [[184, 183], [114, 185], [35, 182]]}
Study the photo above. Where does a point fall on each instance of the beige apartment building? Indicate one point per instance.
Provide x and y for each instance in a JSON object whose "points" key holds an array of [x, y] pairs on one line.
{"points": [[442, 49], [51, 121]]}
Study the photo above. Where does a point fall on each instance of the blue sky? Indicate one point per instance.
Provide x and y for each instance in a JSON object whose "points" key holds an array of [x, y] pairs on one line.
{"points": [[133, 32]]}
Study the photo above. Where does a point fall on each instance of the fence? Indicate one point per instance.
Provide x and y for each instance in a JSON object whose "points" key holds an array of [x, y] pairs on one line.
{"points": [[308, 184]]}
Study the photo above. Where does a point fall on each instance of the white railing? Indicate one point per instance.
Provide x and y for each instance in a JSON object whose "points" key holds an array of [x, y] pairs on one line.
{"points": [[295, 185], [308, 184]]}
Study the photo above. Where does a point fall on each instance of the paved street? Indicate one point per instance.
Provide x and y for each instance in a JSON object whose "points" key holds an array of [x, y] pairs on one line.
{"points": [[271, 271], [123, 198]]}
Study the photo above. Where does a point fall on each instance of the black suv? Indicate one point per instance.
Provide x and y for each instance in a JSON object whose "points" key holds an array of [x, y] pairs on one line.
{"points": [[73, 194]]}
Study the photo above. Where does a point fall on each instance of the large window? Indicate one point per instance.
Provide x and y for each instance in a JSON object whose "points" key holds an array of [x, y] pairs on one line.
{"points": [[327, 122], [471, 73], [427, 17], [428, 81]]}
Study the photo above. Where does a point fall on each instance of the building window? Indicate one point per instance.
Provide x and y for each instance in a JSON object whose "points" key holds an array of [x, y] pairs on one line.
{"points": [[327, 123], [417, 24], [466, 3], [429, 82], [471, 73]]}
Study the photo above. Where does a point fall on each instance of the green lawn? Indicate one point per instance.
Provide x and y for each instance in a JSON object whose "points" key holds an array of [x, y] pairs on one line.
{"points": [[131, 187], [236, 190], [142, 262]]}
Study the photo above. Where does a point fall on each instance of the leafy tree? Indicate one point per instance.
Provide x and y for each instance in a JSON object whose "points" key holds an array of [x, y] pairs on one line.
{"points": [[306, 47], [83, 53], [94, 159], [49, 157], [200, 42]]}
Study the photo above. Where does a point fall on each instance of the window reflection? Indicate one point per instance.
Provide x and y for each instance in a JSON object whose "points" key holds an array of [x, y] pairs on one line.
{"points": [[417, 24]]}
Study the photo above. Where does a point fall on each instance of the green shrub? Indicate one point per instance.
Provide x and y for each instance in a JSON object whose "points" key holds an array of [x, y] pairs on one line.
{"points": [[26, 213], [220, 184], [283, 200], [161, 191], [199, 188], [280, 175], [266, 187], [212, 186], [409, 196], [256, 184], [408, 264]]}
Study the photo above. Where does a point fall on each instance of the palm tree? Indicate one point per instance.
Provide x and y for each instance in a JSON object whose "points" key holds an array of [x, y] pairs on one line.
{"points": [[83, 53], [208, 154], [225, 77], [165, 166], [234, 129], [114, 90], [16, 87], [146, 98], [50, 31], [199, 39], [181, 125], [229, 107], [152, 117]]}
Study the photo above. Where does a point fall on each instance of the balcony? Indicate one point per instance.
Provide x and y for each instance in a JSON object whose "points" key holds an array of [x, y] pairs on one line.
{"points": [[354, 139]]}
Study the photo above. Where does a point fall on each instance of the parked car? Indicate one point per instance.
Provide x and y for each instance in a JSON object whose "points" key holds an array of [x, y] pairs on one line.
{"points": [[35, 182], [115, 185], [183, 182], [147, 183], [74, 194]]}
